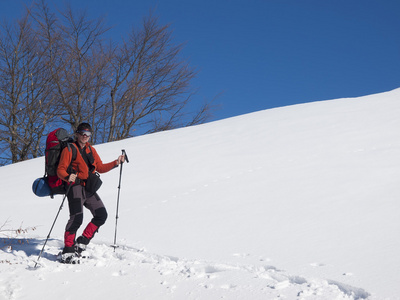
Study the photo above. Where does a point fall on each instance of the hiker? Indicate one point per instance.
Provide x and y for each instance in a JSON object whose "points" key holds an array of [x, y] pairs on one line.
{"points": [[83, 191]]}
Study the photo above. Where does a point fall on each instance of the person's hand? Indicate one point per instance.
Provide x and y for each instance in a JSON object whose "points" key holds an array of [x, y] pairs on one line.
{"points": [[121, 159], [72, 178]]}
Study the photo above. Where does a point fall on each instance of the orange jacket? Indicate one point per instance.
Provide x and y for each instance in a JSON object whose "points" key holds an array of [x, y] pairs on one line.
{"points": [[79, 165]]}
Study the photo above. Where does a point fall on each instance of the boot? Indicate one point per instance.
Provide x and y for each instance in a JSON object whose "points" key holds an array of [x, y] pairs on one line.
{"points": [[81, 243], [69, 256]]}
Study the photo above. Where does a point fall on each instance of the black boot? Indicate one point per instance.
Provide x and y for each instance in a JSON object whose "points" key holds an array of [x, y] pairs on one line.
{"points": [[81, 243], [69, 256]]}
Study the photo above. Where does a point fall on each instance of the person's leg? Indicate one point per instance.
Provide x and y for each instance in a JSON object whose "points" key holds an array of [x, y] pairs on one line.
{"points": [[76, 199], [99, 212], [75, 204]]}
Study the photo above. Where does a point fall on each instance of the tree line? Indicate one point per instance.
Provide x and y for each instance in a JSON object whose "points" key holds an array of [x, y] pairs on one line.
{"points": [[58, 68]]}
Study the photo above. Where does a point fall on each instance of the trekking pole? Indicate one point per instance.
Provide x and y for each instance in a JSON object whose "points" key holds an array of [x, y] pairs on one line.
{"points": [[48, 236], [119, 190]]}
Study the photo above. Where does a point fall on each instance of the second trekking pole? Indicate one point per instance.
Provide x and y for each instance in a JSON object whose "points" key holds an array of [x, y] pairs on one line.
{"points": [[119, 190]]}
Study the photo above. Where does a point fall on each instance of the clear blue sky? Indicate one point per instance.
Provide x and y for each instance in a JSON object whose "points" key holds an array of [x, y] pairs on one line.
{"points": [[268, 53]]}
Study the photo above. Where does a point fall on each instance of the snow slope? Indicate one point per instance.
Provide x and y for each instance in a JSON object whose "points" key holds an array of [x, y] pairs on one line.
{"points": [[298, 202]]}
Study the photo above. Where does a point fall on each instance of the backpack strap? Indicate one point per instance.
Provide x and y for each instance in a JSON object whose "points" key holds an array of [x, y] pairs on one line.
{"points": [[87, 157], [70, 170], [90, 159], [74, 151]]}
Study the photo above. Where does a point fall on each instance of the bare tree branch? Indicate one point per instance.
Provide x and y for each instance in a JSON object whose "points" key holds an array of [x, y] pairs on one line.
{"points": [[58, 69]]}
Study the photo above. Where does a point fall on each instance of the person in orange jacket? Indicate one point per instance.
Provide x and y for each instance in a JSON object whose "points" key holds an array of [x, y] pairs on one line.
{"points": [[87, 162]]}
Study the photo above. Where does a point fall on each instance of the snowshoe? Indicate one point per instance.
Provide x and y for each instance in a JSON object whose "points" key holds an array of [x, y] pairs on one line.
{"points": [[69, 258]]}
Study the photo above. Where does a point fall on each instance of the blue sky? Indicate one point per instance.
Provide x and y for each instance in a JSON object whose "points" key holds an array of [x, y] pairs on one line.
{"points": [[259, 54]]}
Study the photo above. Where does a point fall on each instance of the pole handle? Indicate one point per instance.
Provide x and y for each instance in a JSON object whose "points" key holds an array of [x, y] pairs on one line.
{"points": [[124, 154]]}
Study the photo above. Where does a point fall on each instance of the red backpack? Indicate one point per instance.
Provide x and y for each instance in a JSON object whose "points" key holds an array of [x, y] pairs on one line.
{"points": [[56, 141]]}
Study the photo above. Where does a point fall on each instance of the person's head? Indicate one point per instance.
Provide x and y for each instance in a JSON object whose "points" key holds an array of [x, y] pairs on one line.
{"points": [[84, 127], [83, 133]]}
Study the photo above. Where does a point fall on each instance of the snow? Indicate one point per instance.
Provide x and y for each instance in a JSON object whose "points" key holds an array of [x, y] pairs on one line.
{"points": [[298, 202]]}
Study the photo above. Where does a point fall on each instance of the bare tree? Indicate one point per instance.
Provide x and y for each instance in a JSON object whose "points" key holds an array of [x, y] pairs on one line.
{"points": [[150, 85], [79, 71], [58, 68], [25, 91]]}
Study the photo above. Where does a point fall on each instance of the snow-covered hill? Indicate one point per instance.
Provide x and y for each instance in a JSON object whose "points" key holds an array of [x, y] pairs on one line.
{"points": [[299, 202]]}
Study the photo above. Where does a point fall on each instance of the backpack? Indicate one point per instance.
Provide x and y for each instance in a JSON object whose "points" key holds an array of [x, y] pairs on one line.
{"points": [[50, 184], [56, 141]]}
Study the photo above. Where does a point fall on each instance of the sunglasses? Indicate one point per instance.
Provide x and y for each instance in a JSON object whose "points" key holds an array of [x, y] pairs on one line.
{"points": [[85, 133]]}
